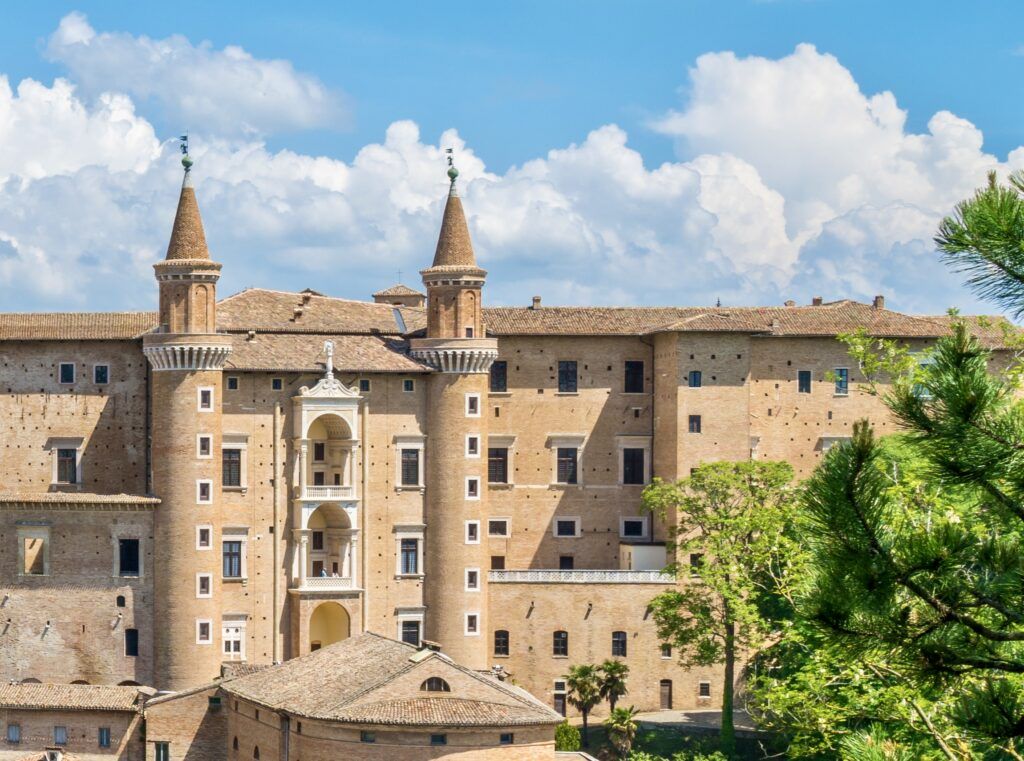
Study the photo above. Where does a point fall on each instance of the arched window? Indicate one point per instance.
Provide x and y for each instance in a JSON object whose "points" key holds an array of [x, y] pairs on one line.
{"points": [[234, 744], [256, 753], [501, 642], [560, 644], [619, 644], [435, 684], [120, 601]]}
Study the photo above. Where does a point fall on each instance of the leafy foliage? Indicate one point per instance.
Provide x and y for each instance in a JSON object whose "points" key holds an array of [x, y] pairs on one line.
{"points": [[567, 737], [621, 728], [583, 683], [613, 681]]}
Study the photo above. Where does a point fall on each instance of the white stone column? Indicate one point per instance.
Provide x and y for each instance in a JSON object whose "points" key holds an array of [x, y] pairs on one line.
{"points": [[303, 472], [353, 553]]}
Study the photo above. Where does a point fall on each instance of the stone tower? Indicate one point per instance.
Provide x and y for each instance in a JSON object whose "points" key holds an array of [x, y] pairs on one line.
{"points": [[456, 465], [186, 355]]}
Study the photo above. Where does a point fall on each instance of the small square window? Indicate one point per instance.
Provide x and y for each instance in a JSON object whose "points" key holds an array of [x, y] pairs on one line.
{"points": [[473, 446], [472, 579], [472, 488], [567, 527], [472, 405], [204, 492], [364, 385], [506, 738], [497, 562], [204, 445], [204, 585], [439, 739], [694, 424], [367, 737], [408, 385], [205, 400], [276, 384], [203, 629], [472, 532], [67, 373], [203, 540], [101, 374], [803, 381], [666, 650], [634, 528], [232, 383], [472, 623], [497, 527], [566, 562], [694, 379], [704, 690]]}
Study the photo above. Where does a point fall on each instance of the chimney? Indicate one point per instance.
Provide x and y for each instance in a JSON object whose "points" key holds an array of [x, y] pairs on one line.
{"points": [[879, 302], [536, 303], [816, 301], [790, 303]]}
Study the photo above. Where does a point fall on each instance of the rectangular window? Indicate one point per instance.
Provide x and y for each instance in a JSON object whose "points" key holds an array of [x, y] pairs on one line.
{"points": [[472, 532], [501, 642], [318, 478], [232, 383], [472, 446], [233, 642], [694, 379], [803, 381], [67, 466], [568, 379], [619, 644], [560, 644], [472, 579], [567, 527], [566, 471], [231, 467], [204, 635], [204, 492], [439, 739], [101, 374], [14, 733], [408, 385], [410, 467], [499, 376], [60, 735], [634, 528], [472, 488], [633, 471], [842, 381], [634, 381], [411, 633], [364, 385], [67, 373], [205, 399], [497, 562], [497, 527], [319, 451], [506, 738], [204, 445], [559, 703], [497, 465], [276, 384], [410, 556], [104, 737], [472, 405], [318, 541], [367, 737], [131, 643], [666, 650], [128, 560], [204, 585], [203, 541], [694, 424], [33, 555], [232, 556], [704, 690], [472, 623], [163, 751], [566, 562]]}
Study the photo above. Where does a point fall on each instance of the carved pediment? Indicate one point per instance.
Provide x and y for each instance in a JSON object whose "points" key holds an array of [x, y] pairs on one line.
{"points": [[329, 387]]}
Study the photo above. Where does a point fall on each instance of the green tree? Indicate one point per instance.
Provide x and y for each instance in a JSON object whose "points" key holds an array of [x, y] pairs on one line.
{"points": [[621, 726], [583, 684], [613, 681], [567, 737], [732, 522]]}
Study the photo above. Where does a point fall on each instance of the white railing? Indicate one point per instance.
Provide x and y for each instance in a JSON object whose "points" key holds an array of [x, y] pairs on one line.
{"points": [[580, 577], [326, 583], [328, 492]]}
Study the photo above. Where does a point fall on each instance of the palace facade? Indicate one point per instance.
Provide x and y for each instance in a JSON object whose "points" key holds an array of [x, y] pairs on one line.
{"points": [[251, 479]]}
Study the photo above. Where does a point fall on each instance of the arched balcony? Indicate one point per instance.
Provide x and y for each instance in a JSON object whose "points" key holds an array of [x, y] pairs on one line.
{"points": [[327, 550], [327, 460]]}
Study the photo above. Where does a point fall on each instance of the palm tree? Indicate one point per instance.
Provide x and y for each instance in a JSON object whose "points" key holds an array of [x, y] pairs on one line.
{"points": [[622, 729], [584, 692], [613, 681]]}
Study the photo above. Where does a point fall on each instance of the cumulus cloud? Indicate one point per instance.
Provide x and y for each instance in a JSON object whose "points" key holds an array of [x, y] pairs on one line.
{"points": [[790, 182], [225, 91]]}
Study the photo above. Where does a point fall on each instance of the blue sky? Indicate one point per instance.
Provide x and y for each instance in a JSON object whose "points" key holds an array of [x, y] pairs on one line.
{"points": [[733, 215]]}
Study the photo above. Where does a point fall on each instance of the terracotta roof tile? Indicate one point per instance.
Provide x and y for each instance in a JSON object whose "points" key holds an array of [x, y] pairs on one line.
{"points": [[454, 248], [75, 326], [399, 290], [188, 241], [279, 311], [356, 680], [305, 353], [74, 697], [76, 498]]}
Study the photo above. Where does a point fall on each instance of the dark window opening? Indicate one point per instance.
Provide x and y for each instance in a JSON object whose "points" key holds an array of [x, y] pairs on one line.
{"points": [[619, 644], [501, 642], [634, 381], [567, 465], [694, 379], [411, 633], [131, 642], [231, 467], [568, 379], [410, 467], [633, 466], [694, 423], [497, 465], [566, 562], [499, 376], [560, 644], [803, 381], [67, 466], [128, 562]]}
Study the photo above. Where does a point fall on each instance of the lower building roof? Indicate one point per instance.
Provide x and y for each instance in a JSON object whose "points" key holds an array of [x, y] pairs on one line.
{"points": [[70, 697]]}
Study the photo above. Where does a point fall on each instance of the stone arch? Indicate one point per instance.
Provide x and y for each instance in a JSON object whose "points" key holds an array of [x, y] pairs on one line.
{"points": [[328, 426], [329, 623], [328, 516]]}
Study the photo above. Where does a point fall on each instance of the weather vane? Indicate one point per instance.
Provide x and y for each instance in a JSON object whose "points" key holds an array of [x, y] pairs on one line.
{"points": [[186, 160], [452, 171]]}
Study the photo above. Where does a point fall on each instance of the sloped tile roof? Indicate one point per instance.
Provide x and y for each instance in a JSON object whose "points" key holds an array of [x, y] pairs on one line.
{"points": [[304, 352], [188, 241], [399, 290], [353, 681], [76, 498], [75, 326], [454, 248], [282, 312], [74, 697]]}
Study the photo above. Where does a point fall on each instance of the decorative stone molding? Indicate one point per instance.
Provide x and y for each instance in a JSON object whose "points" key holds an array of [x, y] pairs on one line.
{"points": [[456, 355], [187, 356], [580, 577]]}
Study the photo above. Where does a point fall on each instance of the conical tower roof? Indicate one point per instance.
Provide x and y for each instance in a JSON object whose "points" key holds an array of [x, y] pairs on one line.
{"points": [[454, 248], [188, 241]]}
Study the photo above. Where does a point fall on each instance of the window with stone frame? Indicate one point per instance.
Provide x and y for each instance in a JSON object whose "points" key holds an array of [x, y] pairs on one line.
{"points": [[568, 377], [619, 644], [567, 470], [231, 467], [560, 644], [410, 467], [497, 465], [633, 466], [501, 642], [128, 557], [499, 377], [67, 466]]}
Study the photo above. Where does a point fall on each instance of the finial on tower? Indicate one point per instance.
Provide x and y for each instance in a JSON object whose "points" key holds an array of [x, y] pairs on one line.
{"points": [[453, 173], [186, 160]]}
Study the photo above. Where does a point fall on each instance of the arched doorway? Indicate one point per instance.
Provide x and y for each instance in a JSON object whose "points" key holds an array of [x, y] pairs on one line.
{"points": [[328, 624]]}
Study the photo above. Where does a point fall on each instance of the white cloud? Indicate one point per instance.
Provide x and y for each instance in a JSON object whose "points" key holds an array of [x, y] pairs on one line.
{"points": [[224, 91], [793, 183]]}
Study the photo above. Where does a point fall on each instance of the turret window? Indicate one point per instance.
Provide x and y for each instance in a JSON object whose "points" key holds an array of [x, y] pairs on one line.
{"points": [[472, 405], [205, 395], [204, 446], [473, 488], [472, 624], [204, 492], [472, 579], [472, 532]]}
